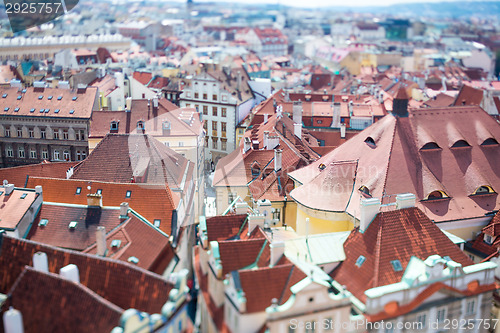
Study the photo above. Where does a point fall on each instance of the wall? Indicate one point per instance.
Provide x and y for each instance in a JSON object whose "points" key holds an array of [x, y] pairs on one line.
{"points": [[321, 221]]}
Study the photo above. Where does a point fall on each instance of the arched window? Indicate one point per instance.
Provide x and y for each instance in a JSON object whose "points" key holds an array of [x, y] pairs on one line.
{"points": [[484, 189], [436, 195], [430, 146], [460, 144], [489, 142], [370, 142]]}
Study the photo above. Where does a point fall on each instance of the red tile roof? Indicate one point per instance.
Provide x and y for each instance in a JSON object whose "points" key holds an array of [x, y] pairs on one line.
{"points": [[492, 229], [468, 96], [220, 228], [50, 303], [14, 206], [393, 235], [120, 283], [71, 99], [143, 77], [238, 254], [19, 175], [441, 100], [152, 201]]}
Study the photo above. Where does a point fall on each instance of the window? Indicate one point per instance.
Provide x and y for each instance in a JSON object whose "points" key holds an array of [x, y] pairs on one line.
{"points": [[224, 98], [488, 239], [65, 135], [43, 134], [206, 141], [363, 189], [74, 98], [31, 133], [157, 223], [255, 169], [370, 142], [214, 97], [231, 197], [421, 320], [471, 307], [56, 134], [197, 107], [360, 261], [43, 222], [19, 133], [214, 111], [223, 128], [205, 110], [489, 142], [80, 135], [10, 152], [128, 194], [99, 191], [430, 146], [276, 213], [310, 327], [50, 98], [32, 110], [223, 112], [435, 195], [205, 96], [181, 144], [460, 143], [214, 143], [116, 243], [20, 152], [45, 154], [133, 260], [78, 190], [57, 110], [196, 95], [57, 155], [32, 153], [485, 189], [140, 125], [396, 265], [7, 132], [66, 156], [441, 315], [16, 110], [214, 126], [223, 144], [113, 126], [72, 225]]}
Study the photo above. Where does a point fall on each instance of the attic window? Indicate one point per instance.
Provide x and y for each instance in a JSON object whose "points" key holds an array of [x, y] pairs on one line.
{"points": [[460, 144], [47, 110], [6, 108], [484, 189], [116, 243], [157, 223], [4, 96], [40, 97], [360, 261], [19, 97], [59, 98], [72, 225], [166, 125], [56, 111], [370, 142], [365, 190], [396, 265], [430, 146], [133, 260], [78, 190], [140, 125], [42, 110], [128, 194], [255, 169], [23, 91], [488, 239], [99, 191], [489, 142], [436, 195], [114, 126], [74, 98], [24, 195], [322, 167], [43, 222], [50, 98]]}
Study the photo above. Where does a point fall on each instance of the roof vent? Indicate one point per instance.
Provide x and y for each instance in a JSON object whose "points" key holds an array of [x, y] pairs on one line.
{"points": [[133, 260], [39, 84]]}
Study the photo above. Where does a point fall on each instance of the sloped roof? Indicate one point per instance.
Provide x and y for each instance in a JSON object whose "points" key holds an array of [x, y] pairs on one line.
{"points": [[220, 228], [40, 296], [396, 164], [14, 206], [19, 175], [238, 254], [468, 96], [141, 289], [393, 235]]}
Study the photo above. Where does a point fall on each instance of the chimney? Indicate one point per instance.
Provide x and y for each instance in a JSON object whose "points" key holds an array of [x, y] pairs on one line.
{"points": [[278, 153], [266, 140], [101, 241], [247, 144], [277, 251], [15, 84], [124, 210], [336, 113], [369, 209], [40, 262], [63, 85], [279, 111], [13, 321], [266, 118], [128, 103], [94, 200], [241, 208], [155, 103], [9, 188], [342, 131], [405, 200], [264, 207], [255, 220], [351, 108], [400, 104], [238, 86], [38, 189], [297, 130], [70, 272], [297, 112]]}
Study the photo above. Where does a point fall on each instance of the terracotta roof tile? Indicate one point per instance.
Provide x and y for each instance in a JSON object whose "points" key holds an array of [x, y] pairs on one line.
{"points": [[393, 235], [238, 254], [38, 296], [14, 206], [220, 228], [19, 175], [468, 96]]}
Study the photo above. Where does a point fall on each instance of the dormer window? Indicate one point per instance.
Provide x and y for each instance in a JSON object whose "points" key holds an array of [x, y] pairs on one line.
{"points": [[370, 142], [484, 189], [430, 146], [360, 261], [114, 126], [460, 144], [436, 195], [255, 169], [489, 142], [488, 239], [365, 190], [166, 125], [140, 125]]}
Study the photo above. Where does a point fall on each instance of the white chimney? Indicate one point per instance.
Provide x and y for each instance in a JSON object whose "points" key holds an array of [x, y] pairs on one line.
{"points": [[351, 108], [266, 118], [255, 220], [342, 131], [38, 189], [38, 84], [155, 102], [63, 84], [369, 209], [297, 112], [101, 240], [278, 154], [13, 321], [15, 84], [405, 200], [128, 103], [247, 144], [69, 173], [241, 208], [266, 140], [9, 188], [277, 251], [297, 130], [124, 210], [70, 273], [40, 262]]}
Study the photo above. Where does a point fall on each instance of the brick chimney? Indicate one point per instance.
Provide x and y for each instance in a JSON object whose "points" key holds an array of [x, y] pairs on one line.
{"points": [[94, 200]]}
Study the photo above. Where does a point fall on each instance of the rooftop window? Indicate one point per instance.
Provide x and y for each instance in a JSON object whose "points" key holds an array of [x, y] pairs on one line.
{"points": [[484, 189], [128, 194], [50, 98], [133, 260], [43, 222], [47, 110], [116, 243], [78, 190], [59, 98], [56, 111], [365, 190], [396, 265], [71, 111], [72, 225], [460, 144], [19, 97], [42, 110], [157, 223], [74, 98], [4, 96], [40, 97], [436, 195], [16, 109], [99, 191], [6, 108], [370, 142], [23, 91], [489, 142], [32, 110], [360, 261], [430, 146], [24, 195]]}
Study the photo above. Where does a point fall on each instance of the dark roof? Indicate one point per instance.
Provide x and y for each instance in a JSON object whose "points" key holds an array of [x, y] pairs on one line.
{"points": [[468, 96]]}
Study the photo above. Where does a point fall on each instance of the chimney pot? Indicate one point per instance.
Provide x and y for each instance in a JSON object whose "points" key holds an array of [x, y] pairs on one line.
{"points": [[124, 210]]}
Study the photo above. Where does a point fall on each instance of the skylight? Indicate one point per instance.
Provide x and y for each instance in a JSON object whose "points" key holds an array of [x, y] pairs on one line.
{"points": [[59, 98], [71, 111], [49, 98], [42, 110], [78, 190], [396, 265], [56, 111], [16, 109], [133, 260], [6, 109], [4, 95], [19, 97], [116, 243], [72, 225], [360, 261], [40, 97], [128, 194], [24, 195], [32, 110], [74, 98], [157, 223], [43, 222]]}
